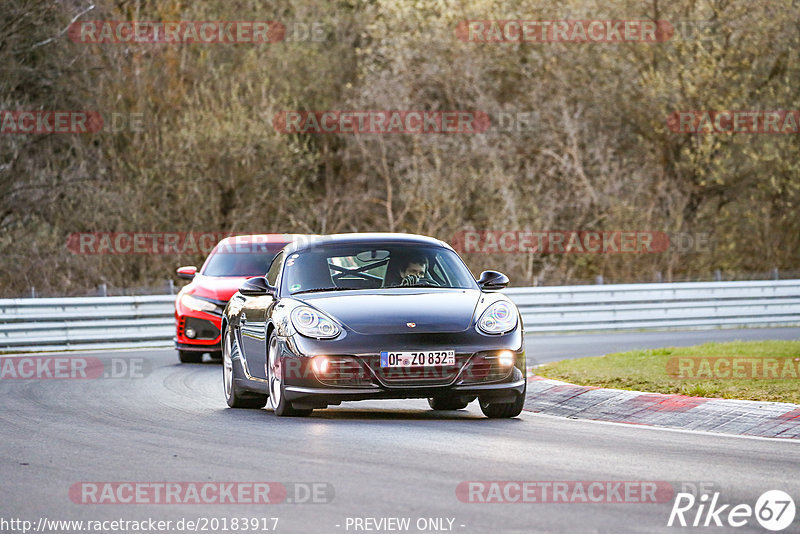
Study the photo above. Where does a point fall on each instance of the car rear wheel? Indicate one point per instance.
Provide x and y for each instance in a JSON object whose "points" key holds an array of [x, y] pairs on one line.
{"points": [[504, 410], [234, 396], [277, 393], [190, 356], [447, 403]]}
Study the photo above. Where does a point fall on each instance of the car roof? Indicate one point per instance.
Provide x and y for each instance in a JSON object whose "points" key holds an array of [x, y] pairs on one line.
{"points": [[260, 238], [308, 242]]}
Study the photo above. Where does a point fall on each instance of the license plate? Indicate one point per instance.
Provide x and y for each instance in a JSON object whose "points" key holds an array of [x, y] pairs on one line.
{"points": [[427, 358]]}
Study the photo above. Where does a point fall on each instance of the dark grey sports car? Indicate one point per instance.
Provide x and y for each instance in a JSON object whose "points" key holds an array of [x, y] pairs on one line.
{"points": [[373, 316]]}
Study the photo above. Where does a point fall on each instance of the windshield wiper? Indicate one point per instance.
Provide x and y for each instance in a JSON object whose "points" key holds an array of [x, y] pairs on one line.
{"points": [[321, 289]]}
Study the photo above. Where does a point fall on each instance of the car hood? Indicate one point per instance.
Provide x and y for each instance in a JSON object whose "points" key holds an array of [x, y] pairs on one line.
{"points": [[392, 311], [216, 287]]}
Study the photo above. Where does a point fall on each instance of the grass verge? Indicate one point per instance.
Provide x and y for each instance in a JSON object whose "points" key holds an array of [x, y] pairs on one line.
{"points": [[751, 370]]}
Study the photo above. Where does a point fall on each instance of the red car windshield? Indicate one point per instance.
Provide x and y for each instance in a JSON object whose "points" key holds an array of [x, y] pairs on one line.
{"points": [[243, 260]]}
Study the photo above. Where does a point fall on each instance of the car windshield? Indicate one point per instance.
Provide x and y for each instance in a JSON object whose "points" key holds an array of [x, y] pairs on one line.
{"points": [[374, 266], [251, 259]]}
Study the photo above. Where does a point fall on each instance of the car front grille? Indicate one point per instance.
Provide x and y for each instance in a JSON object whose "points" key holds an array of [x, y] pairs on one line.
{"points": [[344, 371], [415, 376], [205, 329]]}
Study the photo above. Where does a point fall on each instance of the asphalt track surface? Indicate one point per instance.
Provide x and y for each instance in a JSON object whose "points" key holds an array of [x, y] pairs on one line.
{"points": [[383, 459]]}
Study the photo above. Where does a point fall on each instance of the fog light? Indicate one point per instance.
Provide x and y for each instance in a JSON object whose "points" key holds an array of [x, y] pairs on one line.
{"points": [[320, 364], [506, 358], [190, 333]]}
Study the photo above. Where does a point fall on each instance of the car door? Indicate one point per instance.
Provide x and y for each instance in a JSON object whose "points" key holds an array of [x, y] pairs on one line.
{"points": [[253, 323]]}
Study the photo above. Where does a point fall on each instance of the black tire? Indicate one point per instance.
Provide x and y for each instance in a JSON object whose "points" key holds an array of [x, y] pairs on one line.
{"points": [[190, 356], [277, 392], [234, 395], [216, 355], [447, 403], [504, 410]]}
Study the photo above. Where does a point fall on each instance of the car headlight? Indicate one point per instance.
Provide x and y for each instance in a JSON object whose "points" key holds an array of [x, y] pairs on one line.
{"points": [[312, 323], [197, 304], [499, 318]]}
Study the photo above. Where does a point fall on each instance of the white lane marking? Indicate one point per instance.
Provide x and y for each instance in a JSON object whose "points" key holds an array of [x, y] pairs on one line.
{"points": [[794, 442]]}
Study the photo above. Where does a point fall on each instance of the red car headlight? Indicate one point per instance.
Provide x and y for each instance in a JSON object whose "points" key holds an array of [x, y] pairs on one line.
{"points": [[198, 304]]}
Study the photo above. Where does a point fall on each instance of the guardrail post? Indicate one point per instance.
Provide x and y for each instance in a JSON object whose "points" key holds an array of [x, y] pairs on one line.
{"points": [[598, 279]]}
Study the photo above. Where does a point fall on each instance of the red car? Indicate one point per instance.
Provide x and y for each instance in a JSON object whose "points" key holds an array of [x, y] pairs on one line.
{"points": [[199, 305]]}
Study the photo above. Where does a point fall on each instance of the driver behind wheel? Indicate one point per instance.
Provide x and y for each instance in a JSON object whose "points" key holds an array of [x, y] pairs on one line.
{"points": [[412, 270]]}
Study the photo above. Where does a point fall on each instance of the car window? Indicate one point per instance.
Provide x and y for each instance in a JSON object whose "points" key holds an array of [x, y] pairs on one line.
{"points": [[367, 266], [437, 273], [249, 260], [274, 269], [339, 267]]}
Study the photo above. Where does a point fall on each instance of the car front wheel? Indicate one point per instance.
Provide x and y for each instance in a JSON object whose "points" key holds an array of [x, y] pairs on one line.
{"points": [[277, 393], [234, 396], [447, 403], [504, 410], [190, 356]]}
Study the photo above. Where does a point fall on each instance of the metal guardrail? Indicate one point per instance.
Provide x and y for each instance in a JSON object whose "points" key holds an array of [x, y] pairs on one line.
{"points": [[690, 305], [86, 322], [147, 321]]}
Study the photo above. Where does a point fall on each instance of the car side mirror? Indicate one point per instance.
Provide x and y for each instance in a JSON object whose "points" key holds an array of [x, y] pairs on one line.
{"points": [[256, 286], [492, 280], [187, 273]]}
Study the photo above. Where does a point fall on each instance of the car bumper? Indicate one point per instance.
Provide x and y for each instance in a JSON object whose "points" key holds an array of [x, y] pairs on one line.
{"points": [[304, 386], [196, 348], [208, 327], [317, 397]]}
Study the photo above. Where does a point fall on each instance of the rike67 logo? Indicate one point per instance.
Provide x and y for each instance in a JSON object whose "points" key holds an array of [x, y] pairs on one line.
{"points": [[774, 510]]}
